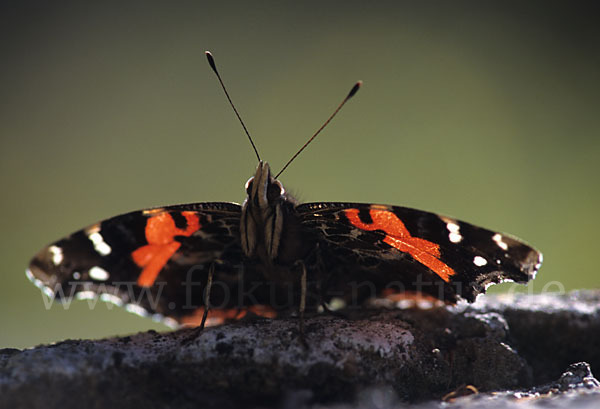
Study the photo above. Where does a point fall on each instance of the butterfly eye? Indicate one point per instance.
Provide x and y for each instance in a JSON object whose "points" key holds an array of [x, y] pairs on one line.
{"points": [[274, 190], [249, 185]]}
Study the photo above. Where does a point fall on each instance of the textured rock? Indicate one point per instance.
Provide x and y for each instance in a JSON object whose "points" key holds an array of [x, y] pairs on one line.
{"points": [[518, 346]]}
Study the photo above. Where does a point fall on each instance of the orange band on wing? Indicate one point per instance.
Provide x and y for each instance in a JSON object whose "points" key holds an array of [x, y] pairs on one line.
{"points": [[397, 236], [160, 235], [219, 316]]}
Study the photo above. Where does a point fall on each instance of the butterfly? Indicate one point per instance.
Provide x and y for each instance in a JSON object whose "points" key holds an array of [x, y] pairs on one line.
{"points": [[204, 263]]}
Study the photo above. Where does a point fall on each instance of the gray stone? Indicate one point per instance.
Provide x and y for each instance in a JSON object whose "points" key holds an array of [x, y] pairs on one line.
{"points": [[509, 348]]}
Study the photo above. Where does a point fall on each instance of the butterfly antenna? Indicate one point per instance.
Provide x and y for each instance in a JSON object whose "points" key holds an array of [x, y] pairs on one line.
{"points": [[352, 92], [211, 62]]}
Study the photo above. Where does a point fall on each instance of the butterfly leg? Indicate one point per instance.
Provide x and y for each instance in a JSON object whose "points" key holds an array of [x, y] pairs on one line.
{"points": [[195, 332], [302, 306], [211, 272], [302, 297]]}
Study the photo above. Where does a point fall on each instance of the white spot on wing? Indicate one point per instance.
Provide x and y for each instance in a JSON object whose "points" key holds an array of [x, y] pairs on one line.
{"points": [[76, 275], [113, 299], [57, 254], [99, 243], [455, 237], [136, 309], [539, 263], [498, 239], [424, 304], [98, 273], [453, 230], [36, 281], [336, 303], [86, 295], [479, 261], [170, 322], [537, 266], [405, 304], [30, 276]]}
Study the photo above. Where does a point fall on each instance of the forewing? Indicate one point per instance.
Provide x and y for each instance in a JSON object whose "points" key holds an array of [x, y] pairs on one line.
{"points": [[406, 249], [154, 262]]}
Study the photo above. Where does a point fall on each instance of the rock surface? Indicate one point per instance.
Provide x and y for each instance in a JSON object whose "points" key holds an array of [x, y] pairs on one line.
{"points": [[499, 351]]}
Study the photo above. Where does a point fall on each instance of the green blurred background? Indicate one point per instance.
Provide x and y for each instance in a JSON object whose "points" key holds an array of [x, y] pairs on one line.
{"points": [[486, 112]]}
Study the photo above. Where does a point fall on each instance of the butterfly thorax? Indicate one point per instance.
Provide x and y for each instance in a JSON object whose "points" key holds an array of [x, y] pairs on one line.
{"points": [[270, 230]]}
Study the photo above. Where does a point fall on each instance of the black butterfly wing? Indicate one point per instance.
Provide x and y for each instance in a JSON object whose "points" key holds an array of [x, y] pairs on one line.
{"points": [[154, 262], [368, 248]]}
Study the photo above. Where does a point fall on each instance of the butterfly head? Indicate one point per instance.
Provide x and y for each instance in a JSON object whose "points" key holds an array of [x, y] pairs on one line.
{"points": [[263, 189], [262, 218]]}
